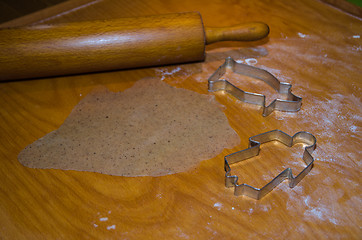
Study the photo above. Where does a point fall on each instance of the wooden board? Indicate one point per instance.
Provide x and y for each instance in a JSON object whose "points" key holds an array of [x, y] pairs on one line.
{"points": [[15, 9], [314, 47]]}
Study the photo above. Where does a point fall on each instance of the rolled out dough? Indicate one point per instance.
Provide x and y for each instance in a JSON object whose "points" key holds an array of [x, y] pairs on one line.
{"points": [[150, 129]]}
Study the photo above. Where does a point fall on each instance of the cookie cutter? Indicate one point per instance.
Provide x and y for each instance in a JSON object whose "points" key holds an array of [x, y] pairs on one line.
{"points": [[254, 149], [291, 103]]}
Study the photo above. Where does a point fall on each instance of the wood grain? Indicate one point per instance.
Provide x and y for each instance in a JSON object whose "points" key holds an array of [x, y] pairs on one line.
{"points": [[14, 9], [314, 47], [48, 13], [346, 6]]}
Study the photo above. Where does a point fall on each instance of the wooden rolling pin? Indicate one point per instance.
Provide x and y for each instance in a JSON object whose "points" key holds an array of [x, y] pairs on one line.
{"points": [[73, 48]]}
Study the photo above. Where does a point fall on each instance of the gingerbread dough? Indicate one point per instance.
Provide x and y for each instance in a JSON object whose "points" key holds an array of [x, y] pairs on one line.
{"points": [[150, 129]]}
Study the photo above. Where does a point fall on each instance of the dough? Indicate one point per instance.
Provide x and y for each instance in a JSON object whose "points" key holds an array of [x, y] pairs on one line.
{"points": [[150, 129]]}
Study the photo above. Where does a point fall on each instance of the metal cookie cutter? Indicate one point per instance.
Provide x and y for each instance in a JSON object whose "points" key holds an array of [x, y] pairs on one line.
{"points": [[253, 150], [291, 103]]}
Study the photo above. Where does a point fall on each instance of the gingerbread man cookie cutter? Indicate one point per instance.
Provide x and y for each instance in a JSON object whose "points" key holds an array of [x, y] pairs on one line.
{"points": [[254, 149], [291, 103]]}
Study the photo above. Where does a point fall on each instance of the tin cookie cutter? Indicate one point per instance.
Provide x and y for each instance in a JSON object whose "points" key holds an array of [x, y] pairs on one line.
{"points": [[291, 103], [254, 149]]}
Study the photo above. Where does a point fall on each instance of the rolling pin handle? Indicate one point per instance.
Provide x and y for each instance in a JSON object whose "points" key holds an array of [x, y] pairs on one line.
{"points": [[243, 32]]}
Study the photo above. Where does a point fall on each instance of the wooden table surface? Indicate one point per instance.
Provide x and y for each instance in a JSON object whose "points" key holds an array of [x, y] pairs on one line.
{"points": [[311, 45]]}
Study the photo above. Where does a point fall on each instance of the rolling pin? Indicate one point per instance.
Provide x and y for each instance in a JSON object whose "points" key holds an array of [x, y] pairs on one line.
{"points": [[81, 47]]}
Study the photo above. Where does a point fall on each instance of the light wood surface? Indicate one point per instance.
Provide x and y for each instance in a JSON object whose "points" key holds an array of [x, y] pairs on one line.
{"points": [[314, 47]]}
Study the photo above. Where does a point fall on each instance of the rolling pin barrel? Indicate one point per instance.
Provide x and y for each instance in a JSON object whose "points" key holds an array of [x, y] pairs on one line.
{"points": [[73, 48]]}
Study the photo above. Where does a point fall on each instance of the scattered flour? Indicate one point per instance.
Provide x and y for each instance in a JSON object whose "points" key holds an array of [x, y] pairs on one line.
{"points": [[332, 112], [353, 129], [165, 72], [251, 210], [302, 35], [307, 200], [181, 234], [111, 227], [218, 206], [251, 61], [321, 213], [356, 36], [103, 219], [334, 126], [335, 121], [357, 49]]}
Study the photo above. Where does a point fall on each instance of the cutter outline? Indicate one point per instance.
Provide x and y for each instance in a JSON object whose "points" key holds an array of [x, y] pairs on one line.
{"points": [[254, 149], [292, 103]]}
